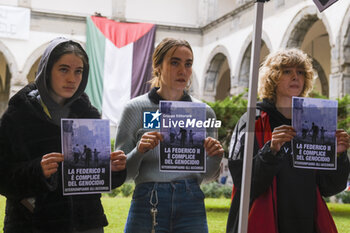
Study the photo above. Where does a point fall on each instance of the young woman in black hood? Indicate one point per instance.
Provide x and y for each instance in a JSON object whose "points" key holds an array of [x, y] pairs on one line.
{"points": [[283, 199], [30, 148]]}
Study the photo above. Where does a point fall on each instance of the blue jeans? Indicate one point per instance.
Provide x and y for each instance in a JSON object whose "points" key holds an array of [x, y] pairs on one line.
{"points": [[180, 206]]}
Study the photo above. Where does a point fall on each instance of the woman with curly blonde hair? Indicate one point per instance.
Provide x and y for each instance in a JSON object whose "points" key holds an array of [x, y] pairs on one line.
{"points": [[283, 199], [275, 64]]}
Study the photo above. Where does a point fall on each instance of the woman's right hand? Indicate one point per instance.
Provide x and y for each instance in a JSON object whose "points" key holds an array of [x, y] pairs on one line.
{"points": [[281, 135], [49, 163], [149, 141]]}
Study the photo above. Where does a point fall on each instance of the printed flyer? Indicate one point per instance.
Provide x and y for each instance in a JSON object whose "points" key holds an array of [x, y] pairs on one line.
{"points": [[86, 149], [315, 121], [183, 128]]}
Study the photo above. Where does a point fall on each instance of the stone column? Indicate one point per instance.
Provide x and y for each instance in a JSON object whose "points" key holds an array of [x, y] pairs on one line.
{"points": [[18, 81], [210, 97], [339, 79], [335, 81], [346, 84], [234, 84]]}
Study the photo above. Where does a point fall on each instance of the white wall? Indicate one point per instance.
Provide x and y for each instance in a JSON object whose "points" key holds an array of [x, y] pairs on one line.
{"points": [[9, 2], [224, 6], [74, 7], [179, 12]]}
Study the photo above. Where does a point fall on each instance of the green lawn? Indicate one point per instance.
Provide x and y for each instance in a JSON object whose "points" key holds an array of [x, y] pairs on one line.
{"points": [[117, 212], [217, 210]]}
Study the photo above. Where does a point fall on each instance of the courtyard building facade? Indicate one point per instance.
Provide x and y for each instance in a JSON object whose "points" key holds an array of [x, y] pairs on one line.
{"points": [[220, 32]]}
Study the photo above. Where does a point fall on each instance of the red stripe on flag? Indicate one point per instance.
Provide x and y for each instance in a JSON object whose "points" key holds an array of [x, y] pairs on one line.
{"points": [[121, 34]]}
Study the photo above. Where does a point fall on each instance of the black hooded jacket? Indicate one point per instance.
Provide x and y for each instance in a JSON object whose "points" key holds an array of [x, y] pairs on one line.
{"points": [[296, 188], [26, 134]]}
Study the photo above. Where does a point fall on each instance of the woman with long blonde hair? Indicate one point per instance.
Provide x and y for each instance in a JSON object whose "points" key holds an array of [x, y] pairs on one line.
{"points": [[164, 201]]}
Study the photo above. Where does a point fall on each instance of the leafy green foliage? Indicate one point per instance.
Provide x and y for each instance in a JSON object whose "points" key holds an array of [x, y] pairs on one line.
{"points": [[124, 190], [228, 111], [315, 94], [216, 190], [113, 193], [344, 113], [112, 144], [344, 196], [127, 189]]}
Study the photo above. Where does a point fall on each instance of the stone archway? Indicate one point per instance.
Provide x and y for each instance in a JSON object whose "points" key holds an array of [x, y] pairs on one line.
{"points": [[321, 83], [346, 64], [309, 32], [244, 69], [214, 77], [341, 63], [243, 76], [301, 24], [32, 63], [5, 83], [8, 70], [299, 31], [223, 85], [217, 75], [33, 70], [33, 60]]}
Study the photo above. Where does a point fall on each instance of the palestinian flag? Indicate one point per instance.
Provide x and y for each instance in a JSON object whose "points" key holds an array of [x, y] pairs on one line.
{"points": [[120, 58]]}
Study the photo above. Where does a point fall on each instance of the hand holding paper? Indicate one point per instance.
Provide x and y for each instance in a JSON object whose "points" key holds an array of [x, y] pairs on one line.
{"points": [[49, 163], [118, 161], [343, 142], [281, 135], [149, 141], [213, 147]]}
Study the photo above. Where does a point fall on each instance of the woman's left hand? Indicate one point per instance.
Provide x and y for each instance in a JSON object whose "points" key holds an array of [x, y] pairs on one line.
{"points": [[118, 161], [213, 147], [343, 141]]}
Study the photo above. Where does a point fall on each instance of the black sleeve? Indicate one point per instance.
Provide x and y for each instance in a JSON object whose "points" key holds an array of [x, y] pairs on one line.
{"points": [[265, 167], [333, 182], [19, 178], [118, 178], [265, 164]]}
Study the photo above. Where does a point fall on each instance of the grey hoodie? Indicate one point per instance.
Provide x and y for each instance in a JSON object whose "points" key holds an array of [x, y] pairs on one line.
{"points": [[43, 79]]}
